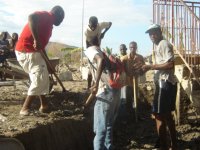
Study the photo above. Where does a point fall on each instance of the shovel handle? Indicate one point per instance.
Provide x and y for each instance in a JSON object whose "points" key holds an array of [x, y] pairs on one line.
{"points": [[135, 97], [52, 69], [89, 100]]}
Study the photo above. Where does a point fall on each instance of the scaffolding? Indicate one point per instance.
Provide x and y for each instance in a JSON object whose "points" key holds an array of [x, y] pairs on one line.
{"points": [[180, 22]]}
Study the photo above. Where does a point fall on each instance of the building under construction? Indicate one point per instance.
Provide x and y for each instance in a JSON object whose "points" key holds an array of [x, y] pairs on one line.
{"points": [[67, 127]]}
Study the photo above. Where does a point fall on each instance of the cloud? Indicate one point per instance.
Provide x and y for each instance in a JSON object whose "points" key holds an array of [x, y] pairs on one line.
{"points": [[119, 11], [122, 13]]}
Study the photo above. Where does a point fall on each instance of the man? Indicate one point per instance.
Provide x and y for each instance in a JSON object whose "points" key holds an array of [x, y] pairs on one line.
{"points": [[12, 44], [4, 51], [107, 99], [29, 47], [132, 62], [123, 50], [165, 83], [94, 29], [4, 40]]}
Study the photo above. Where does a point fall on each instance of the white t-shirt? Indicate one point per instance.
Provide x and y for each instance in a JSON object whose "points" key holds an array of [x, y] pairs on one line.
{"points": [[103, 83], [89, 34], [164, 53]]}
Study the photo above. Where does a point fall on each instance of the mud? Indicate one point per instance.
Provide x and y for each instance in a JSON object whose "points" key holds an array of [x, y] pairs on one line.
{"points": [[65, 127]]}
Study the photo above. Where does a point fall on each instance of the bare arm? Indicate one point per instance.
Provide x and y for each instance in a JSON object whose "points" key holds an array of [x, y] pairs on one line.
{"points": [[99, 61], [33, 24], [165, 66], [106, 29], [87, 44]]}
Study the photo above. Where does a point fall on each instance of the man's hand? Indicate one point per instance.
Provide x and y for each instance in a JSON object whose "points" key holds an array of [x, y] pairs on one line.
{"points": [[137, 65], [146, 68], [94, 89], [37, 45]]}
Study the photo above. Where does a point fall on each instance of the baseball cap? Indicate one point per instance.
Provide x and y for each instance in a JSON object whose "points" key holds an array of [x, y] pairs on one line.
{"points": [[153, 27]]}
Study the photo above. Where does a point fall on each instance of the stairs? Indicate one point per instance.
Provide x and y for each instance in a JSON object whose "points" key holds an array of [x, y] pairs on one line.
{"points": [[189, 84]]}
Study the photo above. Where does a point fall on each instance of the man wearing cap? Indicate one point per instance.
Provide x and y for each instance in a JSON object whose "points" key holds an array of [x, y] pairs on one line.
{"points": [[32, 41], [165, 86]]}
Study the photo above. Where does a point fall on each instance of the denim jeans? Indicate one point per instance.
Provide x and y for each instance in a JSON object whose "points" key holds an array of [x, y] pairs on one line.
{"points": [[105, 113]]}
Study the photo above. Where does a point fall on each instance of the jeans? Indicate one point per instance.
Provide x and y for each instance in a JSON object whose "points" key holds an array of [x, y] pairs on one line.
{"points": [[105, 113]]}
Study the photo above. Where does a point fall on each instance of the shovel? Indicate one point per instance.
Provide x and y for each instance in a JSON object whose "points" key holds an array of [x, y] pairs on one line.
{"points": [[89, 100], [52, 69]]}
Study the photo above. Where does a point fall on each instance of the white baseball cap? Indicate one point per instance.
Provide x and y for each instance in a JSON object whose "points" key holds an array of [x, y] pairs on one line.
{"points": [[153, 27]]}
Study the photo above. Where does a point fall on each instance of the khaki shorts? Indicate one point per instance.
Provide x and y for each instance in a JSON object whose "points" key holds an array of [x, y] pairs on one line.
{"points": [[35, 66]]}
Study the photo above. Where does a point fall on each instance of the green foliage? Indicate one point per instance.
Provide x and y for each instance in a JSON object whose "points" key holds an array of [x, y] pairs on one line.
{"points": [[50, 55], [68, 49], [71, 55], [76, 50], [108, 50]]}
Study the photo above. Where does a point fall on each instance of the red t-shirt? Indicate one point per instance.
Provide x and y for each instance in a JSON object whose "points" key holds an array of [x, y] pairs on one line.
{"points": [[45, 26]]}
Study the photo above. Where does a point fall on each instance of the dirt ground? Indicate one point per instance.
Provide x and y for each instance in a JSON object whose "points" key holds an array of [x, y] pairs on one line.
{"points": [[128, 134]]}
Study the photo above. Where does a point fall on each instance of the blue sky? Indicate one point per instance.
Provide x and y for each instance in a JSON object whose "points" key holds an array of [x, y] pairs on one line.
{"points": [[130, 19]]}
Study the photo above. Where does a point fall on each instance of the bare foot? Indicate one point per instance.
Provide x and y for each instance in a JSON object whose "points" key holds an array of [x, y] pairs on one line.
{"points": [[44, 109], [24, 112]]}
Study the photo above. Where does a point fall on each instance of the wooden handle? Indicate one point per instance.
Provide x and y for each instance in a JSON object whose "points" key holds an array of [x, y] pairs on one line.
{"points": [[135, 96], [89, 100], [50, 66]]}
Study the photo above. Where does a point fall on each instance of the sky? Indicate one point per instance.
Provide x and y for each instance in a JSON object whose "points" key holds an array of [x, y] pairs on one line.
{"points": [[130, 19]]}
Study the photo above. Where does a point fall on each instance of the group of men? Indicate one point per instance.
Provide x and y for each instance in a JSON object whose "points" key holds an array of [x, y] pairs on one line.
{"points": [[108, 99], [7, 46], [35, 37]]}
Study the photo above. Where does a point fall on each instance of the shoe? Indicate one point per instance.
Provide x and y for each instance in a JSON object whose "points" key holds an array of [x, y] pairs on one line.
{"points": [[24, 112]]}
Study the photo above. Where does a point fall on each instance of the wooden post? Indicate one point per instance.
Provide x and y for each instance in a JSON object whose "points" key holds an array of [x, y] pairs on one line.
{"points": [[135, 97], [178, 97]]}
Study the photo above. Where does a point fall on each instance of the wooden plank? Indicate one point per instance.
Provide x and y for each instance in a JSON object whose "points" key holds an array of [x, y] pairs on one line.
{"points": [[135, 96], [178, 98]]}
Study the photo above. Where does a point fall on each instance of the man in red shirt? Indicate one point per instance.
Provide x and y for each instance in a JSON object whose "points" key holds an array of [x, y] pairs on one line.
{"points": [[33, 39]]}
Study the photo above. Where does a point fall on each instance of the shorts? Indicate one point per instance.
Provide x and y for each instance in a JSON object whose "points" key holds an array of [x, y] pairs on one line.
{"points": [[35, 66], [165, 97]]}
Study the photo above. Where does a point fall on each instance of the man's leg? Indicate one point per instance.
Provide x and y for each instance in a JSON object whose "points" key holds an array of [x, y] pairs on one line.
{"points": [[99, 124], [26, 106], [161, 130], [43, 104], [172, 129], [129, 100], [109, 138], [111, 117]]}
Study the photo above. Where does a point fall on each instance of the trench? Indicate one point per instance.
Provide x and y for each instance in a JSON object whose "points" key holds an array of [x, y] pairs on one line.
{"points": [[65, 128], [67, 134]]}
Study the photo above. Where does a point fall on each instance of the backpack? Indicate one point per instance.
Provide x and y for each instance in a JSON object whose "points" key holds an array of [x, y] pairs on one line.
{"points": [[115, 69]]}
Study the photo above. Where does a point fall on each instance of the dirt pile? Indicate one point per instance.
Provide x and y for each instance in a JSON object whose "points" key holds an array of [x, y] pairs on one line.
{"points": [[65, 127]]}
